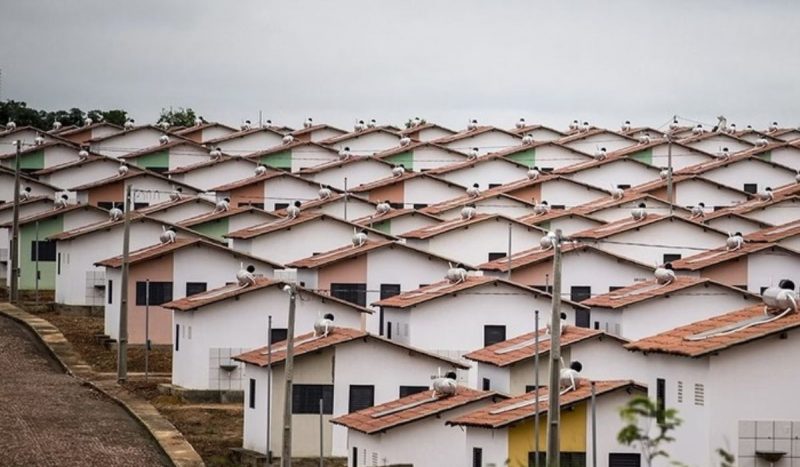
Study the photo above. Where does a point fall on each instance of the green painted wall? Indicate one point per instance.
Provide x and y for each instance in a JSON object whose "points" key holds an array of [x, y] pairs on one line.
{"points": [[767, 156], [32, 161], [645, 156], [156, 160], [47, 269], [279, 160], [527, 157], [216, 228], [406, 159], [383, 226]]}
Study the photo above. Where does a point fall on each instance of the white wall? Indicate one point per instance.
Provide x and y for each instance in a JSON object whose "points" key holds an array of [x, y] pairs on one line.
{"points": [[206, 178], [127, 142], [691, 192], [766, 268], [602, 140], [551, 156], [473, 245], [569, 194], [299, 242], [788, 156], [431, 157], [490, 141], [366, 145], [286, 190], [87, 173], [715, 143], [620, 172], [504, 206], [750, 171], [493, 444], [497, 171], [357, 173], [254, 142], [421, 190], [778, 213]]}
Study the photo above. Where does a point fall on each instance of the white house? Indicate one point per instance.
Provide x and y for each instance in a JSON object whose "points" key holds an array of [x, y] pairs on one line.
{"points": [[786, 235], [315, 133], [590, 140], [295, 155], [410, 189], [546, 155], [349, 172], [247, 142], [567, 220], [559, 191], [270, 190], [124, 142], [43, 156], [206, 174], [489, 171], [398, 221], [749, 173], [421, 156], [27, 184], [365, 142], [206, 131], [484, 139], [714, 142], [612, 209], [619, 172], [81, 171], [335, 204], [84, 133], [171, 155]]}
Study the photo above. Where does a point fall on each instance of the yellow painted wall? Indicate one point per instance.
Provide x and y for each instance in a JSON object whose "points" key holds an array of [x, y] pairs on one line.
{"points": [[572, 434]]}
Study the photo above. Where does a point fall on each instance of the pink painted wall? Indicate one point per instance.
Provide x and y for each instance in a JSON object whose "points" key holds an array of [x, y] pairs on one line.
{"points": [[252, 193], [730, 272], [395, 193], [350, 271], [157, 270], [534, 274]]}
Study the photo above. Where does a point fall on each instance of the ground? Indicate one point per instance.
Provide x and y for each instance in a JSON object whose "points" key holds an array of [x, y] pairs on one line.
{"points": [[50, 418]]}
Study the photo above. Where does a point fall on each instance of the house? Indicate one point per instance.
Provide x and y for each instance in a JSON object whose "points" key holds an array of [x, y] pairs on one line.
{"points": [[580, 263], [45, 155], [480, 238], [365, 142], [315, 133], [295, 155], [27, 208], [546, 155], [270, 190], [747, 172], [777, 206], [409, 189], [426, 132], [690, 190], [372, 271], [485, 202], [538, 132], [81, 171], [704, 369], [248, 141], [348, 172], [206, 131], [615, 208], [654, 238], [509, 367], [786, 154], [786, 235], [174, 154], [343, 206], [123, 142], [559, 191], [147, 188], [78, 281], [658, 152], [730, 221], [207, 174], [39, 261], [650, 307], [715, 142], [752, 267], [27, 184], [504, 433], [26, 135], [787, 134], [80, 135], [218, 224], [398, 221], [212, 327], [424, 317], [617, 172], [349, 369], [483, 139], [421, 156], [489, 171], [411, 430], [566, 220], [174, 211], [590, 140], [164, 272], [291, 239]]}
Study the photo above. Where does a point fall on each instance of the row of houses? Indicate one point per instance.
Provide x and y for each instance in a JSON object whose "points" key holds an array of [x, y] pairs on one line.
{"points": [[421, 258]]}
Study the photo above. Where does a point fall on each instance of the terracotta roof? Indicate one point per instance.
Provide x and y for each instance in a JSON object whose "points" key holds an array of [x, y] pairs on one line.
{"points": [[514, 410], [779, 194], [678, 178], [468, 163], [415, 145], [577, 136], [523, 347], [627, 197], [731, 160], [424, 126], [33, 199], [158, 148], [308, 343], [469, 133], [386, 181], [534, 219], [720, 255], [133, 172], [345, 252], [165, 205], [774, 234], [675, 341], [624, 225], [526, 182], [409, 409], [234, 290], [356, 134], [463, 200], [341, 163], [269, 174], [211, 215], [243, 133], [53, 212], [611, 158], [283, 147], [711, 134], [209, 163], [393, 213], [447, 226], [528, 128], [320, 202], [643, 291], [75, 163], [106, 224], [281, 224], [656, 133], [526, 257]]}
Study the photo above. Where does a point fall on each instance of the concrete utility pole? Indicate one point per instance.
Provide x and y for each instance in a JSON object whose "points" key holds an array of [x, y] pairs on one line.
{"points": [[14, 250], [286, 454], [269, 389], [122, 340], [669, 169], [536, 389], [554, 407]]}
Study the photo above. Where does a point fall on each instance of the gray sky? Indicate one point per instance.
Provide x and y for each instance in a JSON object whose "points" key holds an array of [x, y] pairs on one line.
{"points": [[445, 61]]}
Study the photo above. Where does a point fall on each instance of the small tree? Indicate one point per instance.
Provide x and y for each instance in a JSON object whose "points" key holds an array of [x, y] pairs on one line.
{"points": [[115, 116], [180, 117], [639, 415]]}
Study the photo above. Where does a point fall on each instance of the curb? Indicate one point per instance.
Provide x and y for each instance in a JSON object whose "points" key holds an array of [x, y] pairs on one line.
{"points": [[169, 439]]}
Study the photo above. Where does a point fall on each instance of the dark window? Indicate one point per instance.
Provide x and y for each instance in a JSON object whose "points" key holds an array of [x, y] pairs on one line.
{"points": [[193, 288], [661, 403], [139, 205], [44, 250], [110, 290], [389, 290], [543, 288], [353, 293], [252, 401], [567, 459], [160, 292], [530, 387], [597, 325], [397, 205], [615, 287], [420, 205], [477, 457], [624, 460], [361, 397], [493, 334], [355, 456], [670, 257], [277, 205], [58, 265], [107, 205], [486, 384], [583, 318], [177, 337], [159, 170], [743, 287], [260, 205], [580, 293], [278, 335], [389, 330], [545, 169], [409, 390], [751, 188], [423, 285], [496, 255], [494, 185], [558, 206], [305, 398], [623, 186]]}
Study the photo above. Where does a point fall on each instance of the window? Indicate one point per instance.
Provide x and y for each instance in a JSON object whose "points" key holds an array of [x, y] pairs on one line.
{"points": [[160, 292], [353, 293], [361, 397], [389, 290], [58, 266], [425, 285], [420, 205], [545, 169], [699, 394], [624, 460], [623, 186], [493, 334], [583, 318], [496, 255], [110, 290], [355, 456], [477, 457], [194, 288], [670, 257], [680, 392], [494, 185], [531, 387], [615, 287], [661, 402], [558, 206], [397, 205], [389, 330], [278, 335], [177, 337], [305, 398], [43, 250], [567, 459], [252, 394], [751, 188], [108, 205], [597, 325], [580, 293], [486, 384], [139, 205], [409, 390], [278, 206]]}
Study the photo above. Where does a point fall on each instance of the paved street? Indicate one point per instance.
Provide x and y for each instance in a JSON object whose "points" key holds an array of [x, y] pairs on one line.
{"points": [[49, 418]]}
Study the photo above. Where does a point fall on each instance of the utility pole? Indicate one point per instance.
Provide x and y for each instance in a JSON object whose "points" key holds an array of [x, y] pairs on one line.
{"points": [[509, 250], [554, 407], [594, 425], [286, 454], [536, 390], [345, 198], [122, 339], [269, 389], [14, 293], [669, 170]]}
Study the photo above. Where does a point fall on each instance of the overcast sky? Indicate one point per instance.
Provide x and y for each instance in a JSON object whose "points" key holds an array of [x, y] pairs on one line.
{"points": [[446, 61]]}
